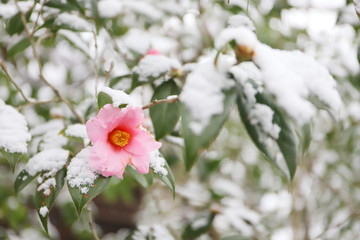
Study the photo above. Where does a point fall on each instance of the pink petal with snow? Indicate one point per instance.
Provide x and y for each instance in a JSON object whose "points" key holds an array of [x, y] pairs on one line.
{"points": [[141, 143]]}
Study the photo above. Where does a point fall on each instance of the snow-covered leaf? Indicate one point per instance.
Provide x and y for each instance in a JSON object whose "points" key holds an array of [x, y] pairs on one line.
{"points": [[44, 201], [80, 199], [198, 226], [22, 180], [165, 116], [195, 143], [14, 134], [161, 170]]}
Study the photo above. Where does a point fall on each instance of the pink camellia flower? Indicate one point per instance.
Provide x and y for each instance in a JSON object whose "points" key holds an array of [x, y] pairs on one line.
{"points": [[119, 139], [153, 52]]}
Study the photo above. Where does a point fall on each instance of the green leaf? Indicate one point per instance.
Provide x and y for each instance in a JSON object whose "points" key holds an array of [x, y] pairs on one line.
{"points": [[286, 141], [22, 180], [12, 158], [306, 137], [14, 25], [165, 116], [19, 47], [198, 226], [194, 143], [66, 7], [81, 199], [254, 131], [42, 200], [103, 99], [116, 80], [145, 180], [168, 179]]}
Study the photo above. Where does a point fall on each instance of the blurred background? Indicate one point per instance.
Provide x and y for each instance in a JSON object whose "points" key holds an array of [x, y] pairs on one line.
{"points": [[231, 193]]}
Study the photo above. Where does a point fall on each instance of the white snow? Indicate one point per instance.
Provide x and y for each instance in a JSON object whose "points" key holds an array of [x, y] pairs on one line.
{"points": [[7, 10], [241, 35], [112, 8], [292, 77], [46, 185], [79, 173], [158, 163], [154, 66], [51, 160], [171, 97], [40, 129], [52, 139], [73, 21], [77, 130], [14, 133], [241, 21], [43, 211], [202, 93], [262, 115], [118, 97], [199, 223]]}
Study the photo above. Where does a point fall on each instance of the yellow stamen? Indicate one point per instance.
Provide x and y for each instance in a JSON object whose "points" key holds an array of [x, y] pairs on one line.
{"points": [[119, 138]]}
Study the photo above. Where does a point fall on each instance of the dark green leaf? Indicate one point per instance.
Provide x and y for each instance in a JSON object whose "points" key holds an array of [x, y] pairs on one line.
{"points": [[42, 200], [145, 180], [15, 25], [81, 199], [19, 47], [66, 7], [22, 180], [254, 131], [12, 158], [306, 137], [168, 180], [194, 143], [286, 141], [198, 226], [103, 99], [165, 116]]}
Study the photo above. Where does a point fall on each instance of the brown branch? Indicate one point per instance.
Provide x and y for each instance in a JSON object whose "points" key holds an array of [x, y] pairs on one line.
{"points": [[18, 88], [155, 102], [42, 77]]}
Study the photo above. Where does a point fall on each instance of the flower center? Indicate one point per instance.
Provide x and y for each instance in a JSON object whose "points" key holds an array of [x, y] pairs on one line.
{"points": [[119, 138]]}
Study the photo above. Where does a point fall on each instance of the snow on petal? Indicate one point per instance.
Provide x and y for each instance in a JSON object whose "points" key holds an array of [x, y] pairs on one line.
{"points": [[51, 160], [14, 133], [79, 173], [202, 93], [154, 66]]}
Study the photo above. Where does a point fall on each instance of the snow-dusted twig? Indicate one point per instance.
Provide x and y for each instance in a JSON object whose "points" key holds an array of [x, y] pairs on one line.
{"points": [[41, 75], [155, 102], [28, 101]]}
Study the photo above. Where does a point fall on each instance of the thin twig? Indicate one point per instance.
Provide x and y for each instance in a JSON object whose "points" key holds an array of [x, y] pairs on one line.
{"points": [[28, 101], [4, 68], [42, 78], [92, 226], [352, 215], [155, 102]]}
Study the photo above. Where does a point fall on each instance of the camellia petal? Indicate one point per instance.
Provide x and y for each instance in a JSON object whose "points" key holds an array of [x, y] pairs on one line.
{"points": [[108, 160], [118, 141], [141, 143], [141, 163]]}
